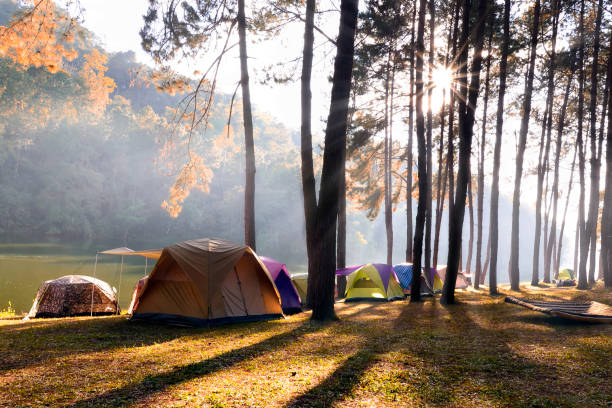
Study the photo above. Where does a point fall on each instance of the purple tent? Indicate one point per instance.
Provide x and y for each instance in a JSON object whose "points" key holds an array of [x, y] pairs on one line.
{"points": [[290, 300]]}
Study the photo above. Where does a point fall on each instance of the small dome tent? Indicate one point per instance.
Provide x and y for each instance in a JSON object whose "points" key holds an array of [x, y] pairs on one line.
{"points": [[371, 282], [300, 281], [74, 295], [290, 299], [205, 282]]}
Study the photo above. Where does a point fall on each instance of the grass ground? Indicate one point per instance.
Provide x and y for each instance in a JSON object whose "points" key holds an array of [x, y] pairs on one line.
{"points": [[481, 352]]}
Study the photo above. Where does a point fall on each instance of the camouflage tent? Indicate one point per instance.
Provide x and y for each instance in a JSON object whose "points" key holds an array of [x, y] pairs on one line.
{"points": [[74, 295]]}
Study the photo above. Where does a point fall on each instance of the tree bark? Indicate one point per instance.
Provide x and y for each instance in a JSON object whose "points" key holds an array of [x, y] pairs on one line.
{"points": [[308, 177], [606, 218], [466, 128], [483, 141], [485, 268], [581, 235], [526, 112], [544, 149], [415, 288], [249, 146], [494, 213], [555, 187], [451, 119], [321, 292], [409, 156], [468, 262], [562, 229], [591, 225], [428, 214]]}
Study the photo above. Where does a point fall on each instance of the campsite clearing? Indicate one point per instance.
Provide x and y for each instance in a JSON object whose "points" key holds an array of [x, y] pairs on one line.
{"points": [[481, 352]]}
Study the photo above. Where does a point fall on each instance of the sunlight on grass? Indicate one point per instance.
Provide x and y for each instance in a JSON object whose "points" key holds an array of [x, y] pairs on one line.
{"points": [[477, 353]]}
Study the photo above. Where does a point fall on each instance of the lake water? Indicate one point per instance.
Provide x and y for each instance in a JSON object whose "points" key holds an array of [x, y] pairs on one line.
{"points": [[23, 267]]}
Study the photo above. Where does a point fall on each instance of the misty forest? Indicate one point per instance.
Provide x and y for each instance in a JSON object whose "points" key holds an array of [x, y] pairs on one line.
{"points": [[380, 203]]}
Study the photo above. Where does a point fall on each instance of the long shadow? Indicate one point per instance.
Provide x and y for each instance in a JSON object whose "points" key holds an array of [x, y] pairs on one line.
{"points": [[151, 384], [29, 346], [345, 378], [509, 376]]}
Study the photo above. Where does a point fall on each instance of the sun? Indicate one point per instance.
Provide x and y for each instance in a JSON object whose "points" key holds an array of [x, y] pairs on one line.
{"points": [[442, 79]]}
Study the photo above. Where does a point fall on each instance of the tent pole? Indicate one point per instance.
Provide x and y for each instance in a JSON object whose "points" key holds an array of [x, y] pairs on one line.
{"points": [[146, 262], [93, 285], [119, 290]]}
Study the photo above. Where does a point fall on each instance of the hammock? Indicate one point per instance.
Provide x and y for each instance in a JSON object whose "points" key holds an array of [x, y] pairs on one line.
{"points": [[582, 311]]}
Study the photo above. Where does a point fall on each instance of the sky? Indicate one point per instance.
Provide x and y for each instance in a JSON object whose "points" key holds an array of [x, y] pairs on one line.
{"points": [[280, 100]]}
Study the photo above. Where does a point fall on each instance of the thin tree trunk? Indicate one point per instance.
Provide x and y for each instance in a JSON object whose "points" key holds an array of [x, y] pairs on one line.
{"points": [[494, 213], [487, 261], [555, 188], [483, 142], [428, 214], [466, 128], [562, 229], [545, 147], [451, 120], [387, 187], [415, 289], [591, 225], [526, 111], [308, 177], [468, 263], [604, 111], [321, 292], [249, 146], [606, 218], [581, 230], [409, 155]]}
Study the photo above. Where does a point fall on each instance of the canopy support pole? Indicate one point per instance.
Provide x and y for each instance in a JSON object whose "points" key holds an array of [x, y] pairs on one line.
{"points": [[146, 265], [119, 290], [93, 285]]}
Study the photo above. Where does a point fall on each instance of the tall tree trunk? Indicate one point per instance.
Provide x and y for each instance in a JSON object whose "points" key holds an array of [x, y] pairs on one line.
{"points": [[494, 213], [409, 156], [415, 288], [466, 128], [451, 118], [562, 229], [321, 286], [249, 146], [468, 263], [308, 177], [580, 230], [544, 149], [442, 178], [604, 112], [526, 111], [606, 218], [428, 214], [555, 187], [485, 268], [387, 186], [483, 141], [591, 225]]}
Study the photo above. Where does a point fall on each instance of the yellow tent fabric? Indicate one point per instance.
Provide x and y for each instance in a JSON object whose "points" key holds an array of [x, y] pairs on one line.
{"points": [[366, 283], [207, 281], [300, 280]]}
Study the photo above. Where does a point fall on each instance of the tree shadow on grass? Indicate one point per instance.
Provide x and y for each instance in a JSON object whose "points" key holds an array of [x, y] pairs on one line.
{"points": [[343, 380], [35, 345], [499, 363], [155, 383]]}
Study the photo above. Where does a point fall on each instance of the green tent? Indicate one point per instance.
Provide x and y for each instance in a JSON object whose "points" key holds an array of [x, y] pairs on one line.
{"points": [[566, 274], [371, 282]]}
